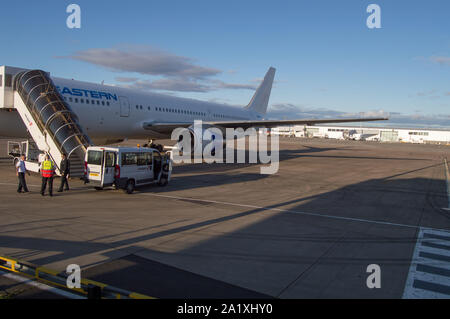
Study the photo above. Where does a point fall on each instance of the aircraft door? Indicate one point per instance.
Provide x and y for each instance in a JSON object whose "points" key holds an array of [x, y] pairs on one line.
{"points": [[124, 106]]}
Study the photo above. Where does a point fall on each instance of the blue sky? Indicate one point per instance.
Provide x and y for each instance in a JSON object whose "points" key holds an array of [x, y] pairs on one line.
{"points": [[326, 57]]}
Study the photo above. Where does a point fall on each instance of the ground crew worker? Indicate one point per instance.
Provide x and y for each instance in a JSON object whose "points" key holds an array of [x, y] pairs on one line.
{"points": [[20, 172], [47, 172], [65, 171]]}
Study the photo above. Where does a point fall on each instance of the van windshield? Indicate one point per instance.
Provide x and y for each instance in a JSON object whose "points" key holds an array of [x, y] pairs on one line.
{"points": [[95, 157]]}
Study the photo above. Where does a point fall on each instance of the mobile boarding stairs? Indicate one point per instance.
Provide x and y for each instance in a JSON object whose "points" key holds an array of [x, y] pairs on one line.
{"points": [[49, 120]]}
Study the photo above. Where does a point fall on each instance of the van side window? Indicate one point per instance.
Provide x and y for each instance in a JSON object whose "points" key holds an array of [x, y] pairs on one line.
{"points": [[110, 159], [129, 159], [141, 159]]}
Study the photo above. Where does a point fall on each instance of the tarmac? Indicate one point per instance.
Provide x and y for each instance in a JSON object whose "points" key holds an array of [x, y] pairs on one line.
{"points": [[227, 231]]}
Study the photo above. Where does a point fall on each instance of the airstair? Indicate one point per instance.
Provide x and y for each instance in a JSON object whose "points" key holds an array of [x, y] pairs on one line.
{"points": [[49, 119]]}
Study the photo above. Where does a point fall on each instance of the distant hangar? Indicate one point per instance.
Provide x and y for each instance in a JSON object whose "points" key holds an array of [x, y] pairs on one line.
{"points": [[381, 134]]}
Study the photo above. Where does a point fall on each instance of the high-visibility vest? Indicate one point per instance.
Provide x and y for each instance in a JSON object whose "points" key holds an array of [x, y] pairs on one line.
{"points": [[47, 169]]}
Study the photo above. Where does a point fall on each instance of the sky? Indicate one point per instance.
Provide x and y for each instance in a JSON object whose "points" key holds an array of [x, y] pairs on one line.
{"points": [[329, 63]]}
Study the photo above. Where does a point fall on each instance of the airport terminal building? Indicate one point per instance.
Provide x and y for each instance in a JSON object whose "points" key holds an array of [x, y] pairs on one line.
{"points": [[380, 134]]}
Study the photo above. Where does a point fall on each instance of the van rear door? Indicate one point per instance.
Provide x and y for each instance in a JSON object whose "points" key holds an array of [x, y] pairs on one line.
{"points": [[109, 164], [94, 166]]}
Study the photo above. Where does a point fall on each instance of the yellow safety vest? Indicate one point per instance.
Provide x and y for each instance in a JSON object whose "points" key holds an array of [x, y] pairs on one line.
{"points": [[47, 165], [47, 169]]}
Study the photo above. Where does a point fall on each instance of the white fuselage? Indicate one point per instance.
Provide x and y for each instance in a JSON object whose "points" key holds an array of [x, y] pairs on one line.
{"points": [[110, 113]]}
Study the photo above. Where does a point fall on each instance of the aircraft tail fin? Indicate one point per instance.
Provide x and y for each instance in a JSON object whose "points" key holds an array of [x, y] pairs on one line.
{"points": [[260, 99]]}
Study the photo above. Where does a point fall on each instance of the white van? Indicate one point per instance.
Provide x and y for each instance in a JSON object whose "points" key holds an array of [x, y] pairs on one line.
{"points": [[126, 167]]}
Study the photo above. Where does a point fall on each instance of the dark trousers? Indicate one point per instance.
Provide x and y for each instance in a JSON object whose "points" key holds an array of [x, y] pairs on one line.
{"points": [[64, 182], [22, 183], [46, 180]]}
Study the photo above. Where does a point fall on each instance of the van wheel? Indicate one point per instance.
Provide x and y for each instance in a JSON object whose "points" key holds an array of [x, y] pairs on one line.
{"points": [[98, 188], [130, 187]]}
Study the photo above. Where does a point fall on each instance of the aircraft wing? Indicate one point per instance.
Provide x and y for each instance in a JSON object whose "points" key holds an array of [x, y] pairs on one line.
{"points": [[167, 128], [274, 123]]}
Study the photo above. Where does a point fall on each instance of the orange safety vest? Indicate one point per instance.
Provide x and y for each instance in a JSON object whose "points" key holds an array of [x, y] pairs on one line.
{"points": [[47, 169]]}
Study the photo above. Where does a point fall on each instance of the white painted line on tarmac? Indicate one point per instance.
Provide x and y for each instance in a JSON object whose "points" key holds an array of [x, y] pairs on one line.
{"points": [[40, 285], [429, 273], [447, 174], [352, 219]]}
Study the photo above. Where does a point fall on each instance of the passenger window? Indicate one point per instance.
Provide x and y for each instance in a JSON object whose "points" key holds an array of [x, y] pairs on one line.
{"points": [[129, 159], [110, 159]]}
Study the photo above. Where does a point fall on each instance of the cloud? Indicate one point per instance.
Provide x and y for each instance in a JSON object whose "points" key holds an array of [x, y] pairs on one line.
{"points": [[144, 60], [177, 84], [427, 93], [288, 110], [170, 84], [176, 73], [291, 111], [125, 79], [442, 60], [234, 86], [430, 94]]}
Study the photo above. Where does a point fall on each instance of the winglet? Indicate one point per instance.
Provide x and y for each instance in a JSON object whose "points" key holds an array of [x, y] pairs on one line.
{"points": [[260, 99]]}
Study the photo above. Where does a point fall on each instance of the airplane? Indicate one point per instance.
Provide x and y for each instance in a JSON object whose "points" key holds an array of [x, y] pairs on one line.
{"points": [[110, 114]]}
